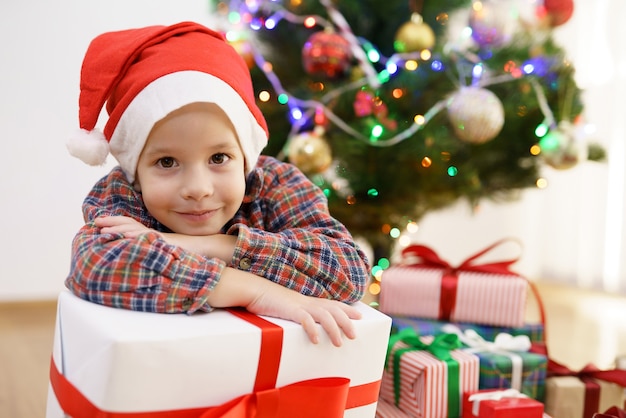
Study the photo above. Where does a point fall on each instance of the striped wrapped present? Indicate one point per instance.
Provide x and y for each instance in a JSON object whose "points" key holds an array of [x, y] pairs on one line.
{"points": [[426, 377], [425, 286], [385, 409]]}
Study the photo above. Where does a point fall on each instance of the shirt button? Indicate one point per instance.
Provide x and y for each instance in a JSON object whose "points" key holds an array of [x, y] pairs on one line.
{"points": [[245, 263], [187, 302]]}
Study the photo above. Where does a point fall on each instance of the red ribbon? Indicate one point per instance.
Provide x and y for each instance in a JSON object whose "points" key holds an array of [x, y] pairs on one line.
{"points": [[327, 397], [617, 376], [612, 412], [422, 256]]}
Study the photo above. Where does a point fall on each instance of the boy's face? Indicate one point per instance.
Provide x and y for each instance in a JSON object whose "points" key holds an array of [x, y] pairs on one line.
{"points": [[191, 170]]}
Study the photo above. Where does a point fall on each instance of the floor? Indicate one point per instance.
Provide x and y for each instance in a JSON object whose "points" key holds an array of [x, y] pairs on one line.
{"points": [[26, 332], [582, 327]]}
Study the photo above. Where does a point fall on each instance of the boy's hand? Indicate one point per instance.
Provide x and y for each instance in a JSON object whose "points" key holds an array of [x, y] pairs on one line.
{"points": [[334, 317], [264, 297], [124, 225]]}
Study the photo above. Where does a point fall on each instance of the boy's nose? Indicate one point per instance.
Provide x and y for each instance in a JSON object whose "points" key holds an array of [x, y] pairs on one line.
{"points": [[197, 184]]}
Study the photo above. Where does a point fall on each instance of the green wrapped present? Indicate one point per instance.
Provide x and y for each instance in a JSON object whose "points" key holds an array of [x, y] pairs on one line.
{"points": [[505, 362], [423, 326]]}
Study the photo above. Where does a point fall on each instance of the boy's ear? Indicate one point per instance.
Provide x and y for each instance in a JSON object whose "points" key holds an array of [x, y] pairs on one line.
{"points": [[137, 186]]}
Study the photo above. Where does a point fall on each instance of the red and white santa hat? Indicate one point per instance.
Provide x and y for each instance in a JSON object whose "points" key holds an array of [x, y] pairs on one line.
{"points": [[144, 74]]}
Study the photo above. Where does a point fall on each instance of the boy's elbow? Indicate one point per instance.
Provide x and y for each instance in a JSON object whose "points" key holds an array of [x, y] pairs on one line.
{"points": [[353, 283]]}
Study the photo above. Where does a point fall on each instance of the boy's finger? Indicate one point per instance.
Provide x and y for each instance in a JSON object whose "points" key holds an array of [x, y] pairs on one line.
{"points": [[329, 323], [345, 323], [310, 327]]}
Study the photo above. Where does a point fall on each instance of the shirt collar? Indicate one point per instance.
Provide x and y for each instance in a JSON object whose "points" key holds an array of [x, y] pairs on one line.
{"points": [[254, 185]]}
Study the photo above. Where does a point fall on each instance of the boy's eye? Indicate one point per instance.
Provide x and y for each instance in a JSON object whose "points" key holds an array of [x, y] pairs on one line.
{"points": [[166, 162], [219, 158]]}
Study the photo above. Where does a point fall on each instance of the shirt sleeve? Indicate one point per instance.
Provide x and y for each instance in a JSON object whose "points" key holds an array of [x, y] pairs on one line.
{"points": [[143, 273], [300, 245]]}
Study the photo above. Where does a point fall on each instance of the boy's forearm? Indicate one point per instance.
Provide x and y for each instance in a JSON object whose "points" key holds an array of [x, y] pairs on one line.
{"points": [[255, 293], [213, 246], [240, 288]]}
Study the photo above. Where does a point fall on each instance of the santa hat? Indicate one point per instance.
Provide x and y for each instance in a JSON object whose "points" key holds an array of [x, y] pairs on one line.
{"points": [[144, 74]]}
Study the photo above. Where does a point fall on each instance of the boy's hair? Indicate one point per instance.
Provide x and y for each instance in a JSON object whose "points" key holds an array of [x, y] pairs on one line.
{"points": [[144, 74]]}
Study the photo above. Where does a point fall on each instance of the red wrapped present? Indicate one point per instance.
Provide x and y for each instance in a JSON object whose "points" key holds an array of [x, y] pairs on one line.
{"points": [[425, 286], [508, 403]]}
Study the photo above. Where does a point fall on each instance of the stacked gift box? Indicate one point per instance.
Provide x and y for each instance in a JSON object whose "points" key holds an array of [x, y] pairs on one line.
{"points": [[480, 306]]}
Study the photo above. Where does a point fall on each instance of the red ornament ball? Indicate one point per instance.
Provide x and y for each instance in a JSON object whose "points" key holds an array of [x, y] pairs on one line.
{"points": [[328, 54], [559, 11]]}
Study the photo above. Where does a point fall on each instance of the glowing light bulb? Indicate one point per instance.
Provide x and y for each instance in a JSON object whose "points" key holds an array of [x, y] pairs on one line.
{"points": [[376, 132], [264, 96], [541, 130], [309, 22]]}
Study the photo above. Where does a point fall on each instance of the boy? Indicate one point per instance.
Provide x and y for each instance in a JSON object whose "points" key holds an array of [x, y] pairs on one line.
{"points": [[194, 217]]}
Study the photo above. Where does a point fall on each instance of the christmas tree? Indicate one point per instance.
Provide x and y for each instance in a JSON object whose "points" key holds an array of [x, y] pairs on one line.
{"points": [[396, 108]]}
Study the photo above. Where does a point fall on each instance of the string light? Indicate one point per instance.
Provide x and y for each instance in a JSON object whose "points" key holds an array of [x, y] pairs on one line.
{"points": [[319, 110], [535, 150], [398, 93], [437, 65], [264, 96], [412, 227], [542, 183], [377, 131], [310, 22], [411, 65], [541, 130]]}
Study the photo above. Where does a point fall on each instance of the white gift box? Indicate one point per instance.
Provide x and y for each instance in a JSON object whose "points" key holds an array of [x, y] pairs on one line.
{"points": [[127, 362]]}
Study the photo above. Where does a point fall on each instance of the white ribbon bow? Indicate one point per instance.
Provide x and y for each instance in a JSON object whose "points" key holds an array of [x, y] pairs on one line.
{"points": [[497, 395], [504, 344]]}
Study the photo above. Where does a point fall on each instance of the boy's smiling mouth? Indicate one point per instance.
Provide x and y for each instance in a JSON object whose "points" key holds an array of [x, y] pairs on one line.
{"points": [[200, 215]]}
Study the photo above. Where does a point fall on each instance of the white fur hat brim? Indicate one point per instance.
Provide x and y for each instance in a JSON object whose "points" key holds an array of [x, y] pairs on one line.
{"points": [[171, 92]]}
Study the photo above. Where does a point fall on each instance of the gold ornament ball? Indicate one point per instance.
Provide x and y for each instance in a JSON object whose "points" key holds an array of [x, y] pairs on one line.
{"points": [[414, 36], [310, 153]]}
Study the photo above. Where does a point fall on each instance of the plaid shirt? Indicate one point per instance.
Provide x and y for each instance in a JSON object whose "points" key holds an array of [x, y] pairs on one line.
{"points": [[284, 233]]}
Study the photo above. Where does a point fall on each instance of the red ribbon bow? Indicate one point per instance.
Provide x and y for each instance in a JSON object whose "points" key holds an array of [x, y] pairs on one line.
{"points": [[612, 412], [327, 397]]}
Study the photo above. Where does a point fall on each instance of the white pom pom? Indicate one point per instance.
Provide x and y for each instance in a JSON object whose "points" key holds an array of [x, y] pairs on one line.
{"points": [[89, 146]]}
